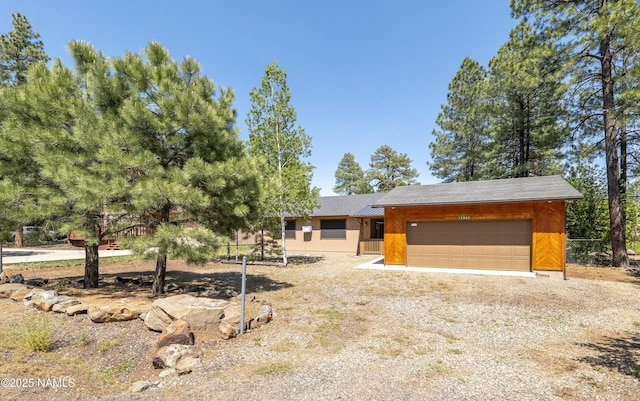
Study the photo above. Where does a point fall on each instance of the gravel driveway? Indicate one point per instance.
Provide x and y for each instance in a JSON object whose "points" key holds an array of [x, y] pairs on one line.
{"points": [[348, 334]]}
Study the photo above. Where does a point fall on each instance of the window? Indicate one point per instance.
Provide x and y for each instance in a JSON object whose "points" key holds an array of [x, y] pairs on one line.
{"points": [[333, 229], [290, 229], [377, 228]]}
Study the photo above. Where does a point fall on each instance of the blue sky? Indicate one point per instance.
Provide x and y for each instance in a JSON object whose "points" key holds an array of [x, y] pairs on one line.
{"points": [[361, 73]]}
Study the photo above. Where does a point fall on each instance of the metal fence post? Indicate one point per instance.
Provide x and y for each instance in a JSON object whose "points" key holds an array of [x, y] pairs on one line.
{"points": [[243, 292]]}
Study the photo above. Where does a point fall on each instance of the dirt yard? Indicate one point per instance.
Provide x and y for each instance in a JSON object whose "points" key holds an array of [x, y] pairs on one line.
{"points": [[344, 333]]}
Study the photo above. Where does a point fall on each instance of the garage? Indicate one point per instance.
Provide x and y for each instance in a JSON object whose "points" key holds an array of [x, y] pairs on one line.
{"points": [[484, 245], [514, 224]]}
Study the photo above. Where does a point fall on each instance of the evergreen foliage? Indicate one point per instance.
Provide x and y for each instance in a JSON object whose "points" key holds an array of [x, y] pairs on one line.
{"points": [[389, 169], [600, 37], [526, 106], [189, 173], [350, 178], [19, 177], [460, 148], [19, 49]]}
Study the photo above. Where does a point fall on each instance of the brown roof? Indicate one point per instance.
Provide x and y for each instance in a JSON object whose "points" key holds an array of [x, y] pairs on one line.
{"points": [[509, 190]]}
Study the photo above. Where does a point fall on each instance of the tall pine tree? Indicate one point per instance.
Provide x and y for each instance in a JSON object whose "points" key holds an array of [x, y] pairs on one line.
{"points": [[526, 98], [389, 169], [192, 178], [597, 34], [19, 49], [460, 148], [350, 177]]}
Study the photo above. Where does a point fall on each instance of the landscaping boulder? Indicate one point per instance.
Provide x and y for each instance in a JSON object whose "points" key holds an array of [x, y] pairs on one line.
{"points": [[227, 330], [43, 300], [178, 356], [18, 296], [265, 314], [78, 309], [6, 290], [17, 278], [140, 386], [61, 307], [201, 313], [232, 314], [4, 278], [118, 310], [177, 332]]}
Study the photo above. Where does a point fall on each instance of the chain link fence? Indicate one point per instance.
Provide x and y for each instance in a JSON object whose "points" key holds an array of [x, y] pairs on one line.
{"points": [[584, 251]]}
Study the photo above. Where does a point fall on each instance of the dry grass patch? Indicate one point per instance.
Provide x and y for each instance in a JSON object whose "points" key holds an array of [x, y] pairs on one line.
{"points": [[276, 368], [283, 346]]}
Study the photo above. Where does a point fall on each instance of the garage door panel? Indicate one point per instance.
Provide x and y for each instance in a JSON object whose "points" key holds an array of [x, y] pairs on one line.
{"points": [[495, 245]]}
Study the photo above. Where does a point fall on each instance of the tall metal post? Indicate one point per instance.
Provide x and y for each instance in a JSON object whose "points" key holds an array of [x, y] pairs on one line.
{"points": [[243, 292]]}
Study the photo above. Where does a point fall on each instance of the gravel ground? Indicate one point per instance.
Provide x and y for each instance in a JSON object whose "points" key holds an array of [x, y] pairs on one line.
{"points": [[347, 334]]}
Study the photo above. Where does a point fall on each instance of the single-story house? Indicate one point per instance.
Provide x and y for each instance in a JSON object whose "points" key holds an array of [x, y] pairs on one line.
{"points": [[344, 224], [510, 224]]}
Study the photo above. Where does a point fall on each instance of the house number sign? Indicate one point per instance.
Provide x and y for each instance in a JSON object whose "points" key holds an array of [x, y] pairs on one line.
{"points": [[464, 217]]}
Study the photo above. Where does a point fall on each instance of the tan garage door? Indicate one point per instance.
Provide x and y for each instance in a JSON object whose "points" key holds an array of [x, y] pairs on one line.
{"points": [[490, 245]]}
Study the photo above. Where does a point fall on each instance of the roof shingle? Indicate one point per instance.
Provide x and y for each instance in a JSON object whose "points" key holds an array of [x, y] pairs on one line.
{"points": [[346, 205], [509, 190]]}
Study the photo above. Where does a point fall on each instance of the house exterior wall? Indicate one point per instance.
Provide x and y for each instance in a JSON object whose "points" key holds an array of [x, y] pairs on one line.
{"points": [[312, 243], [548, 226]]}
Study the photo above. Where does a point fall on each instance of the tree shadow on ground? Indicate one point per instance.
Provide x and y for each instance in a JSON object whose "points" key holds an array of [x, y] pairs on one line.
{"points": [[221, 284], [616, 353]]}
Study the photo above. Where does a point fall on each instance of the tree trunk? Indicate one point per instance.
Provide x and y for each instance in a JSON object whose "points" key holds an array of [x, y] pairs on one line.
{"points": [[19, 239], [283, 225], [161, 260], [262, 244], [158, 281], [91, 263], [618, 240]]}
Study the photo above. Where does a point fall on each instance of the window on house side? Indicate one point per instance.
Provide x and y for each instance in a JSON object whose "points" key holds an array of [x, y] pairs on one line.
{"points": [[333, 229], [290, 229]]}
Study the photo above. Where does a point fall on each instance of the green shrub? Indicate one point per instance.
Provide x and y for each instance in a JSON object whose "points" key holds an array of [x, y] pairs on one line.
{"points": [[34, 331]]}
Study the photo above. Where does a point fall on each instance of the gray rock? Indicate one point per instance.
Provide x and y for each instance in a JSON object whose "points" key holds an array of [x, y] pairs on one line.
{"points": [[17, 278], [181, 357], [61, 307], [43, 300], [140, 386], [37, 282], [48, 304]]}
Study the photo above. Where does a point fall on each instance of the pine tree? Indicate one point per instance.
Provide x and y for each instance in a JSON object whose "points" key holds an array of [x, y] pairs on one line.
{"points": [[70, 137], [459, 151], [526, 98], [282, 147], [191, 178], [389, 169], [18, 50], [350, 178], [597, 33]]}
